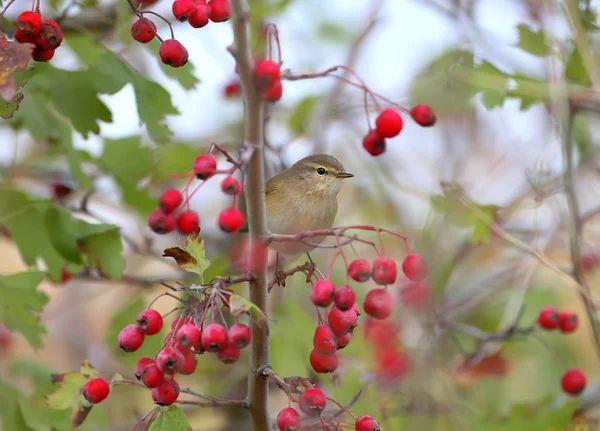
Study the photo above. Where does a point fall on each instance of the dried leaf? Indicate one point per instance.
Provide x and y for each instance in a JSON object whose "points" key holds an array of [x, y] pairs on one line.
{"points": [[14, 57], [495, 365], [192, 257]]}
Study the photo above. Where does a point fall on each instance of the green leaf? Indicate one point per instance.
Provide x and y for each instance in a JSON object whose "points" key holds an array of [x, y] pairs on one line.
{"points": [[170, 418], [192, 257], [174, 158], [240, 305], [575, 70], [532, 42], [291, 339], [582, 138], [21, 303], [68, 394], [105, 252], [538, 416], [127, 159], [184, 75], [493, 97], [301, 115]]}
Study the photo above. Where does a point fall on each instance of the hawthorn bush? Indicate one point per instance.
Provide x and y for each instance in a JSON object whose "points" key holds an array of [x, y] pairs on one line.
{"points": [[145, 304]]}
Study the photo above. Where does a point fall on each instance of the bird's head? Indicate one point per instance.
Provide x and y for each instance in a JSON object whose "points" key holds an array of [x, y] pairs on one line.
{"points": [[321, 174]]}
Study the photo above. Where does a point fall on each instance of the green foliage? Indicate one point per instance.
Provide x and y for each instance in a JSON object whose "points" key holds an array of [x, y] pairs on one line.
{"points": [[21, 303], [301, 115], [184, 75], [240, 305], [291, 339], [576, 71], [170, 418], [174, 158], [532, 42], [192, 257], [525, 417]]}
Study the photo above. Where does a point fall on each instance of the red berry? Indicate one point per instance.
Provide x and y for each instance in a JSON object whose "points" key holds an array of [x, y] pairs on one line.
{"points": [[568, 321], [96, 390], [342, 322], [161, 222], [143, 30], [573, 381], [379, 304], [214, 338], [343, 340], [324, 339], [588, 261], [344, 298], [141, 365], [25, 37], [239, 335], [170, 200], [312, 401], [29, 23], [50, 35], [60, 190], [229, 355], [167, 393], [384, 271], [65, 275], [41, 54], [182, 8], [189, 364], [366, 423], [152, 377], [374, 143], [415, 267], [232, 88], [274, 92], [198, 16], [168, 359], [131, 338], [359, 270], [183, 318], [322, 293], [548, 318], [323, 363], [267, 73], [389, 123], [231, 186], [188, 222], [188, 336], [150, 321], [173, 53], [205, 166], [219, 10], [415, 294], [231, 220], [423, 115], [288, 419]]}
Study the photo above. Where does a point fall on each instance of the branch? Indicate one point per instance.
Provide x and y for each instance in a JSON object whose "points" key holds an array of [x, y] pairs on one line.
{"points": [[212, 401], [258, 389]]}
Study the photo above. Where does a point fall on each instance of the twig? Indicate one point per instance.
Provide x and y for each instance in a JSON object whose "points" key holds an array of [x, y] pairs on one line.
{"points": [[213, 401], [307, 268]]}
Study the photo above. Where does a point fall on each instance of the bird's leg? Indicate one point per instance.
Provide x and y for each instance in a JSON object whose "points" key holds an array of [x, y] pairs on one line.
{"points": [[312, 268], [279, 274]]}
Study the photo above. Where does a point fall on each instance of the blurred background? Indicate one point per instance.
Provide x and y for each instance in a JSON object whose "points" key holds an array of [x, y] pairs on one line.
{"points": [[481, 195]]}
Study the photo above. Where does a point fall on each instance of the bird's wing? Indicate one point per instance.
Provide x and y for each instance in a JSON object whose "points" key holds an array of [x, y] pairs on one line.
{"points": [[272, 184]]}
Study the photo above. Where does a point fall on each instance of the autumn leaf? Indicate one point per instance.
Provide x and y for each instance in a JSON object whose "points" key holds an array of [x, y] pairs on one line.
{"points": [[192, 257], [14, 57], [495, 365]]}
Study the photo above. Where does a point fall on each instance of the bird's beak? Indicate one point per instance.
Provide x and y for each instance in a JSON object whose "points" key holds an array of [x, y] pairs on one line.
{"points": [[344, 175]]}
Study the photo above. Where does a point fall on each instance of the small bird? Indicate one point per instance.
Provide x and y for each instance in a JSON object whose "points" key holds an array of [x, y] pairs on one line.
{"points": [[304, 197]]}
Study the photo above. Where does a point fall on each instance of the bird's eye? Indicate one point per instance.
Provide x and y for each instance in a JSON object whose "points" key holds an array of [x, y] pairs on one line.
{"points": [[321, 171]]}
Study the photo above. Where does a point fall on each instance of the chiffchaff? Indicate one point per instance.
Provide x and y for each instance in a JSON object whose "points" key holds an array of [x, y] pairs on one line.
{"points": [[304, 197]]}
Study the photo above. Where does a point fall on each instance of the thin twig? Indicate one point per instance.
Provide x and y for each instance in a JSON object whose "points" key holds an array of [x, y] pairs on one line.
{"points": [[215, 401]]}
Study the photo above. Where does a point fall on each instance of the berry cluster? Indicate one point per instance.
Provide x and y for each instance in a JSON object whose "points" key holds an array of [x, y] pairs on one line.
{"points": [[389, 124], [268, 80], [550, 318], [45, 35], [170, 215], [343, 312], [198, 12]]}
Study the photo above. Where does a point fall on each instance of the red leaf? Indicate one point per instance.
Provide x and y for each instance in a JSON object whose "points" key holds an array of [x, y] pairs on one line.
{"points": [[14, 57]]}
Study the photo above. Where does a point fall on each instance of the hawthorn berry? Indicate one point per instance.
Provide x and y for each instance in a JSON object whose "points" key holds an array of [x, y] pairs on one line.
{"points": [[366, 423], [170, 200], [344, 298], [323, 363], [389, 123], [188, 336], [231, 186], [96, 390], [173, 53], [267, 73], [205, 166], [181, 320], [65, 275], [182, 8], [573, 381], [322, 293], [24, 37], [231, 220], [423, 115], [568, 321], [189, 364], [274, 92], [548, 318], [214, 338], [374, 143], [188, 222], [239, 335], [131, 338], [379, 304], [41, 54], [415, 294], [384, 271], [288, 419], [143, 30], [150, 321], [343, 340], [219, 10], [161, 222], [233, 88], [198, 16], [229, 355], [415, 267], [312, 401], [167, 393], [29, 23], [141, 365], [151, 376], [50, 35], [324, 339], [168, 359], [359, 270], [342, 322]]}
